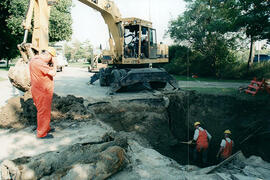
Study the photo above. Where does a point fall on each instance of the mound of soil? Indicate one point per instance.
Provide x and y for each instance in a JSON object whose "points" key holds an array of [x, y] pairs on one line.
{"points": [[21, 111]]}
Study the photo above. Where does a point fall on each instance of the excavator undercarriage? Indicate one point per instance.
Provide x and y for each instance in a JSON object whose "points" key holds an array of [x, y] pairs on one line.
{"points": [[135, 79]]}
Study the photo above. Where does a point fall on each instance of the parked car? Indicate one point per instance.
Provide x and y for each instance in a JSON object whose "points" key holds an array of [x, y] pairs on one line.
{"points": [[3, 63], [61, 62]]}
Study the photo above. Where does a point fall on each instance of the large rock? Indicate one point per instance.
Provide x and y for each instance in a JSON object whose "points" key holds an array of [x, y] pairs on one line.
{"points": [[148, 164], [19, 76], [101, 161]]}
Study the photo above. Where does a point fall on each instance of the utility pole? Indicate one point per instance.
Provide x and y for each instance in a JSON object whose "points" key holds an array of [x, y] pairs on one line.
{"points": [[259, 47], [149, 10]]}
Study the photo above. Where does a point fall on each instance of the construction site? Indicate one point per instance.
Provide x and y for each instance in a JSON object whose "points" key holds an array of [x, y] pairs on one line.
{"points": [[125, 118]]}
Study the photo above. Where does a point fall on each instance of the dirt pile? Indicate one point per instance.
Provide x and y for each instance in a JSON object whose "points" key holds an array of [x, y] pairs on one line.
{"points": [[18, 113], [69, 107], [19, 76], [21, 111], [147, 117]]}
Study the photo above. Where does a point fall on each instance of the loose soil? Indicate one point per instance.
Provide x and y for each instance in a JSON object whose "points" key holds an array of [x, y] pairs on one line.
{"points": [[21, 112]]}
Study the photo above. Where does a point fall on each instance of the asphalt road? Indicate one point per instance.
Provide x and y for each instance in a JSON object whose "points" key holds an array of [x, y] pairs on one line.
{"points": [[74, 81], [6, 89]]}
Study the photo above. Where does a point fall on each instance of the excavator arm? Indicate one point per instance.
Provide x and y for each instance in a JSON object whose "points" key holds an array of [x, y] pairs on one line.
{"points": [[40, 35], [112, 18]]}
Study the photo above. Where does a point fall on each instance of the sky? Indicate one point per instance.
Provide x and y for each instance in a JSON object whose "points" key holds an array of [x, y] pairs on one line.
{"points": [[88, 24]]}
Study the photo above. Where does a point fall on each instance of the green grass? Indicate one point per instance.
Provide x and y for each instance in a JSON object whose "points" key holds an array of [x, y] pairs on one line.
{"points": [[210, 79], [4, 69], [229, 91], [79, 64]]}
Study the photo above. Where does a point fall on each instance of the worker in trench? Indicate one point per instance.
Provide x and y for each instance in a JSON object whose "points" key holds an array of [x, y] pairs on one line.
{"points": [[202, 139], [42, 70], [226, 146]]}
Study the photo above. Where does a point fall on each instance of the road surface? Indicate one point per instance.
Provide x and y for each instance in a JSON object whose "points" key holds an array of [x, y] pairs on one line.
{"points": [[74, 81]]}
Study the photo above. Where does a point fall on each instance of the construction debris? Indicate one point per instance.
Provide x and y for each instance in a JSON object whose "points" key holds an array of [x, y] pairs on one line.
{"points": [[226, 161], [257, 86], [236, 168]]}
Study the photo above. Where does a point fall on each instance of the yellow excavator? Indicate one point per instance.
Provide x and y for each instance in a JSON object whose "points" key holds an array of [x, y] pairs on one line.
{"points": [[133, 46]]}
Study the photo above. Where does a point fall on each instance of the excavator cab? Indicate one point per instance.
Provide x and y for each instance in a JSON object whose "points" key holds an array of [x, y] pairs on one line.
{"points": [[140, 41], [131, 43]]}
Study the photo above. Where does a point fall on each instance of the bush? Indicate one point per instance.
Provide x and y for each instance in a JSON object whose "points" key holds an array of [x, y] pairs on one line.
{"points": [[184, 61], [260, 70], [239, 71]]}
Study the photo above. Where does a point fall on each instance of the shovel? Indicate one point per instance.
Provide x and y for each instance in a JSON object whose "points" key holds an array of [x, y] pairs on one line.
{"points": [[188, 143]]}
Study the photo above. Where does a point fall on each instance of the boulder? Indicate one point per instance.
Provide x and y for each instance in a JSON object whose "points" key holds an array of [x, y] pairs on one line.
{"points": [[101, 160]]}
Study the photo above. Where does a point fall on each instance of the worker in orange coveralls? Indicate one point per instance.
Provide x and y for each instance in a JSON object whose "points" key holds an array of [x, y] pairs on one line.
{"points": [[42, 87]]}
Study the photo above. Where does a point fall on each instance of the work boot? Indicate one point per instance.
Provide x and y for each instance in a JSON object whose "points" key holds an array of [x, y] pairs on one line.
{"points": [[51, 130], [49, 136]]}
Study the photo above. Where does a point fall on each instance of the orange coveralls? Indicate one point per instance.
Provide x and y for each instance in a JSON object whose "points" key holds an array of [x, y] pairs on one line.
{"points": [[42, 86]]}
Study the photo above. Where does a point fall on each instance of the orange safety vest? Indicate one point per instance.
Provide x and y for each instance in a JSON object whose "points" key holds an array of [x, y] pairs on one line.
{"points": [[227, 151], [202, 141]]}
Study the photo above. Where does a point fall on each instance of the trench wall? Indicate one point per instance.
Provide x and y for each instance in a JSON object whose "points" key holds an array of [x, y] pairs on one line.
{"points": [[248, 119]]}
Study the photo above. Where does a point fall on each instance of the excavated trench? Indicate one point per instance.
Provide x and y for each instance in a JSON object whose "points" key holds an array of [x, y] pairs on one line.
{"points": [[167, 120], [164, 120]]}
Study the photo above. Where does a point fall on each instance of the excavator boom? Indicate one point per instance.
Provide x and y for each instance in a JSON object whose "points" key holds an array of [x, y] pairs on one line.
{"points": [[112, 18]]}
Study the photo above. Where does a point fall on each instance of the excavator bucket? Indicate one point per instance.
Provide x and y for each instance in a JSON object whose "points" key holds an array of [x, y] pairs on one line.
{"points": [[150, 78], [19, 75]]}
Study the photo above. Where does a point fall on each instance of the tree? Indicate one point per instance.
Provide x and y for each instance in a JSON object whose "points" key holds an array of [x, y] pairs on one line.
{"points": [[12, 14], [254, 17], [78, 50], [249, 16], [60, 21], [203, 30]]}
